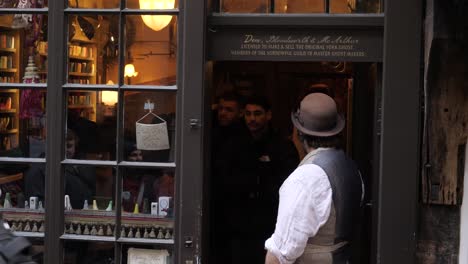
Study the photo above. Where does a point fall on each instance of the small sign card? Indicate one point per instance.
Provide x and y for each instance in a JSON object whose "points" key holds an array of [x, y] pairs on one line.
{"points": [[147, 256]]}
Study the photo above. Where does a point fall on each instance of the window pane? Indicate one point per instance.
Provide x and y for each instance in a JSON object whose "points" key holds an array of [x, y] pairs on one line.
{"points": [[22, 123], [22, 197], [354, 6], [89, 201], [150, 40], [146, 254], [22, 39], [93, 3], [152, 4], [88, 252], [299, 6], [151, 134], [148, 204], [245, 6], [93, 49], [92, 124], [22, 4]]}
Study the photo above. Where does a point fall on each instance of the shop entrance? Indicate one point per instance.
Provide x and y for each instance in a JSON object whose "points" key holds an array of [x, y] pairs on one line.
{"points": [[247, 168]]}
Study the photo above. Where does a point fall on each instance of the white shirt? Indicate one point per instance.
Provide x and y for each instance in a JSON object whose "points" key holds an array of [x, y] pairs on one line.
{"points": [[305, 204]]}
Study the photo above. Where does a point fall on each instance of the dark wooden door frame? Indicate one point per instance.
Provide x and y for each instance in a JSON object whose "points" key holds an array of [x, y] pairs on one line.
{"points": [[400, 138]]}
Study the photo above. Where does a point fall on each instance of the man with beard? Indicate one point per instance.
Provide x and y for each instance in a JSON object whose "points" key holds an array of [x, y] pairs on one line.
{"points": [[259, 161]]}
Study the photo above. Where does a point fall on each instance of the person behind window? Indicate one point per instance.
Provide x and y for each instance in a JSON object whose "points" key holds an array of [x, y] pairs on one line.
{"points": [[80, 181]]}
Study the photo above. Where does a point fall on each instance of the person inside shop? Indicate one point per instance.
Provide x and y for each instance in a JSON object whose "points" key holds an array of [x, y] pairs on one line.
{"points": [[80, 181], [257, 164], [142, 184], [320, 201]]}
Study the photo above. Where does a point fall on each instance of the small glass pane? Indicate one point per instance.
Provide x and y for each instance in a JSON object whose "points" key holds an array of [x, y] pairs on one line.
{"points": [[91, 124], [22, 197], [22, 4], [355, 6], [93, 3], [93, 49], [88, 252], [148, 204], [89, 201], [299, 6], [22, 123], [150, 40], [151, 133], [245, 6], [152, 4], [146, 254], [22, 39]]}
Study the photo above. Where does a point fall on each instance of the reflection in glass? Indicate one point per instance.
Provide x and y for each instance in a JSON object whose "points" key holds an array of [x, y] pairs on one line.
{"points": [[149, 125], [22, 44], [147, 46], [92, 49], [355, 6], [88, 252], [22, 197], [245, 6], [93, 3], [92, 124], [148, 204], [89, 200], [299, 6], [22, 123]]}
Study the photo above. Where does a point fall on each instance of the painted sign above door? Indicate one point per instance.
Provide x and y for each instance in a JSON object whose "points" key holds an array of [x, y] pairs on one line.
{"points": [[295, 45]]}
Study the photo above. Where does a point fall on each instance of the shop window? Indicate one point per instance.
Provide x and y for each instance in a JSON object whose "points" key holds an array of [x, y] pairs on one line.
{"points": [[22, 123], [92, 49], [149, 126], [300, 6], [150, 45], [93, 3], [22, 197], [152, 4], [148, 205], [91, 124], [89, 201], [88, 252], [23, 39]]}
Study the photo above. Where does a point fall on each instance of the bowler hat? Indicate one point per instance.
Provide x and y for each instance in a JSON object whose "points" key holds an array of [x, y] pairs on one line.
{"points": [[317, 116]]}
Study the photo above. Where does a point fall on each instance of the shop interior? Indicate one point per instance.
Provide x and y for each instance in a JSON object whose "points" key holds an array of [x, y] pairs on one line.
{"points": [[354, 87], [91, 128]]}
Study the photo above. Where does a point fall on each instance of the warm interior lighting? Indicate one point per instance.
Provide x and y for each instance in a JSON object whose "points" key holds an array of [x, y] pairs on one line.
{"points": [[157, 23], [129, 71], [109, 97]]}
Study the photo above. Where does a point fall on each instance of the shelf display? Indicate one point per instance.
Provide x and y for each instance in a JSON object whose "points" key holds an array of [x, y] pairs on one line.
{"points": [[9, 121], [9, 56]]}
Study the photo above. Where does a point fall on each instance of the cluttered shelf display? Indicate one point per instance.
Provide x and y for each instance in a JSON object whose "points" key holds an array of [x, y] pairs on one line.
{"points": [[8, 119], [9, 57], [91, 221]]}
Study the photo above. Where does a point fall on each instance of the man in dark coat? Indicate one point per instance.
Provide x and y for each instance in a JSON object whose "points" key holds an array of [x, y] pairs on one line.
{"points": [[258, 162]]}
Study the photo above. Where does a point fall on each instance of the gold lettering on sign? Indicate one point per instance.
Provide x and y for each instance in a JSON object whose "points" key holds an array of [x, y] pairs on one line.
{"points": [[303, 45]]}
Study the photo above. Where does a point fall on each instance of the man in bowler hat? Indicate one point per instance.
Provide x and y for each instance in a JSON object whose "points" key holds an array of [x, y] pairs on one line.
{"points": [[320, 201]]}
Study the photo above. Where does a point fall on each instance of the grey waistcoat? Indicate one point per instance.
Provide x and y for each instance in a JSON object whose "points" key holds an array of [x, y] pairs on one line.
{"points": [[331, 243]]}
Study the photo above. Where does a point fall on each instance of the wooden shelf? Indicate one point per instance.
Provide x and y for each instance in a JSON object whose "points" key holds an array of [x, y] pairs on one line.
{"points": [[10, 50], [12, 70], [9, 131], [7, 111], [80, 106], [79, 74], [8, 90], [81, 58]]}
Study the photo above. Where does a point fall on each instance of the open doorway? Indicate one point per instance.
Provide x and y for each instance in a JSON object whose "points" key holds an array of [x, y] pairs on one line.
{"points": [[246, 169]]}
